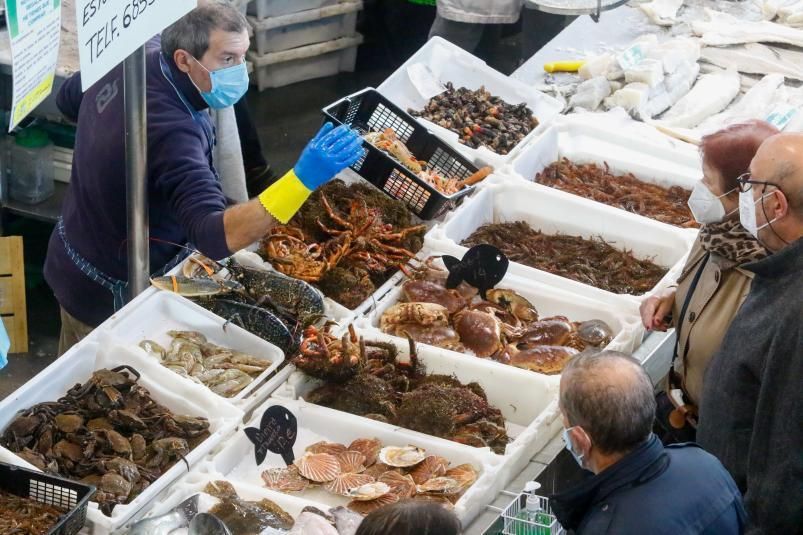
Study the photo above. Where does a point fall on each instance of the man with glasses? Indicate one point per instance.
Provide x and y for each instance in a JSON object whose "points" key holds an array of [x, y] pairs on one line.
{"points": [[751, 416]]}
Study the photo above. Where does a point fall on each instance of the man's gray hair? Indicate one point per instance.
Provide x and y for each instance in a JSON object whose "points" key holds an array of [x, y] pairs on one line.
{"points": [[191, 32], [611, 397]]}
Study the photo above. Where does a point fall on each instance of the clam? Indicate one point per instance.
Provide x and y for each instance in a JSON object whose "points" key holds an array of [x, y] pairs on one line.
{"points": [[402, 457], [368, 491], [318, 467], [441, 485], [595, 332], [345, 483], [351, 461], [367, 446]]}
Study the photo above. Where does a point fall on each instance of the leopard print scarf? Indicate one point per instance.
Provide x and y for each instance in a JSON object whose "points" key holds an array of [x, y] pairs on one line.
{"points": [[730, 240]]}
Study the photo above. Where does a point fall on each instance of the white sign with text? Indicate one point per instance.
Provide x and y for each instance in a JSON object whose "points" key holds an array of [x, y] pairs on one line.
{"points": [[110, 30]]}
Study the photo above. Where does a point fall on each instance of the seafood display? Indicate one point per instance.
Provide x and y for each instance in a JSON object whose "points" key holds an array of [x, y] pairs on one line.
{"points": [[387, 141], [479, 118], [367, 378], [590, 261], [26, 516], [373, 476], [505, 327], [347, 240], [591, 181], [224, 371], [108, 432], [246, 517]]}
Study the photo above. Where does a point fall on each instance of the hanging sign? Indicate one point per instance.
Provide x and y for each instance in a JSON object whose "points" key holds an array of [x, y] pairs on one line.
{"points": [[483, 267], [110, 30], [277, 433], [34, 28]]}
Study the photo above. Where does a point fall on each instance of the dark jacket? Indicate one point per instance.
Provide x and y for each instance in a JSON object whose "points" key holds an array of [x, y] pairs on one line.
{"points": [[185, 197], [751, 415], [655, 490]]}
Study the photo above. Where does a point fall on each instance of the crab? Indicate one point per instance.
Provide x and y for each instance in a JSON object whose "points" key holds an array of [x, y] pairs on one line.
{"points": [[290, 254], [479, 331], [424, 291], [426, 323], [327, 357]]}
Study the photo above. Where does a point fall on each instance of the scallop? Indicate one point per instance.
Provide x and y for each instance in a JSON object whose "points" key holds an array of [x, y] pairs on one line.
{"points": [[432, 466], [465, 474], [318, 467], [368, 491], [595, 332], [284, 479], [332, 448], [369, 447], [443, 501], [351, 461], [367, 507], [440, 485], [401, 485], [344, 483], [402, 457], [377, 469]]}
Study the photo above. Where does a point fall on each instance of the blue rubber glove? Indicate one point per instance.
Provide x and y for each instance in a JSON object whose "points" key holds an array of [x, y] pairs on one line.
{"points": [[328, 153]]}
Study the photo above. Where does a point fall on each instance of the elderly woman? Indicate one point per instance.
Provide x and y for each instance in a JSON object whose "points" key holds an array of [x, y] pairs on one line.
{"points": [[712, 286]]}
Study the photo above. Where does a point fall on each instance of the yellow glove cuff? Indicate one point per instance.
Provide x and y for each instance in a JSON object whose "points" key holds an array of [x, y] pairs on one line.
{"points": [[284, 197]]}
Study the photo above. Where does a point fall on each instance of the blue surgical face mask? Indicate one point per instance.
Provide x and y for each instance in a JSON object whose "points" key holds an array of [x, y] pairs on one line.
{"points": [[228, 85], [569, 446]]}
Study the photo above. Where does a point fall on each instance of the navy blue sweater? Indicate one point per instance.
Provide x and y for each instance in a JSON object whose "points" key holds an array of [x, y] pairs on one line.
{"points": [[185, 196]]}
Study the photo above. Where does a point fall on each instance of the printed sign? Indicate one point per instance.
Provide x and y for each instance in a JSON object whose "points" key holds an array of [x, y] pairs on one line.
{"points": [[781, 115], [483, 267], [277, 433], [34, 27], [632, 56], [110, 30]]}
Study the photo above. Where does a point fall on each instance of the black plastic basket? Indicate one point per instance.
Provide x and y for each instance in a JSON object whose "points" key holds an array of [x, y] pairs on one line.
{"points": [[51, 490], [368, 111]]}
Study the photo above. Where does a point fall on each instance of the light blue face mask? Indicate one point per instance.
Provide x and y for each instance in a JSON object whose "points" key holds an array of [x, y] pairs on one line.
{"points": [[568, 444], [228, 85], [5, 345]]}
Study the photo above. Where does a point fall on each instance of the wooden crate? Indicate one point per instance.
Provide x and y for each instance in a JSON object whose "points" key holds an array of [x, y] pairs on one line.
{"points": [[12, 293]]}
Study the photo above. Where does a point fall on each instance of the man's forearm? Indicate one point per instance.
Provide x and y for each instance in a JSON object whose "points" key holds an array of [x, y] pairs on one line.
{"points": [[246, 223]]}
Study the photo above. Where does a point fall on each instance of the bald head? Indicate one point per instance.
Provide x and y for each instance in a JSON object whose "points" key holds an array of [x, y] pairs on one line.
{"points": [[780, 160], [611, 397]]}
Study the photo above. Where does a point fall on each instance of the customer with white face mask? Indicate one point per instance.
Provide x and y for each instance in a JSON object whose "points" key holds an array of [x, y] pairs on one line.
{"points": [[751, 415], [639, 486], [712, 285]]}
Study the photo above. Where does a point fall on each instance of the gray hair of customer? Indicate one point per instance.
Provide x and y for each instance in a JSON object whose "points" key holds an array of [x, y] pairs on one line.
{"points": [[610, 396], [411, 517], [192, 31]]}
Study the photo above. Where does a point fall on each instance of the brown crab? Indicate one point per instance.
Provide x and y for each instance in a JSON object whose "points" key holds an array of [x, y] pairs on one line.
{"points": [[426, 323]]}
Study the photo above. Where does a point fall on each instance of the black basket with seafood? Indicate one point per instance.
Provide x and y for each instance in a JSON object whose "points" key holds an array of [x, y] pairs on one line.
{"points": [[404, 159]]}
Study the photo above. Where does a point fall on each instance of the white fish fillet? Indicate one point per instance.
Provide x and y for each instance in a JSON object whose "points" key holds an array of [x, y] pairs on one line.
{"points": [[631, 97], [755, 104], [590, 93], [755, 58], [675, 86], [723, 29], [710, 95], [662, 12]]}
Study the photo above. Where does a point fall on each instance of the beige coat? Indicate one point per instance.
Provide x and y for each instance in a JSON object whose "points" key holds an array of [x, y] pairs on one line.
{"points": [[720, 292]]}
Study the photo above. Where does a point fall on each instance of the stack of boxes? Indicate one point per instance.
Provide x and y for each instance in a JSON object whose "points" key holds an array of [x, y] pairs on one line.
{"points": [[297, 40]]}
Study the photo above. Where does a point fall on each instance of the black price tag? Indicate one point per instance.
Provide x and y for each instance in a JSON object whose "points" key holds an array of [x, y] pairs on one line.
{"points": [[483, 266], [277, 433]]}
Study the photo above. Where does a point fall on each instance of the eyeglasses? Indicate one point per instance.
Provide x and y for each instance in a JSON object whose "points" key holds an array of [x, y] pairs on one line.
{"points": [[746, 182]]}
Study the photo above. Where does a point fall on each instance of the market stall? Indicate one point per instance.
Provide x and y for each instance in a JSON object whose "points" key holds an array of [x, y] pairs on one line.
{"points": [[310, 371]]}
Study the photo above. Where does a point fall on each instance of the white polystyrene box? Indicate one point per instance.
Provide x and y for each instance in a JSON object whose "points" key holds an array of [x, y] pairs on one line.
{"points": [[236, 462], [263, 9], [165, 311], [449, 63], [77, 365]]}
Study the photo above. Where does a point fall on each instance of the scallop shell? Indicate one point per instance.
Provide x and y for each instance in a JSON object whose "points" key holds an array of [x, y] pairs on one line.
{"points": [[351, 461], [343, 483], [434, 498], [369, 447], [401, 485], [332, 448], [318, 467], [366, 507], [465, 474], [440, 485], [378, 469], [284, 479], [432, 466], [369, 491], [402, 457]]}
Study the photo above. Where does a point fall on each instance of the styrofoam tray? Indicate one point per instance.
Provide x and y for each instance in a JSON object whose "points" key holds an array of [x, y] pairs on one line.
{"points": [[235, 461], [181, 397], [528, 401], [449, 63], [165, 311], [274, 8], [552, 212]]}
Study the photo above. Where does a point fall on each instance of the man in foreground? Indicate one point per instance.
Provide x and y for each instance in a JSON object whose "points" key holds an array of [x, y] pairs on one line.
{"points": [[751, 416], [639, 485]]}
